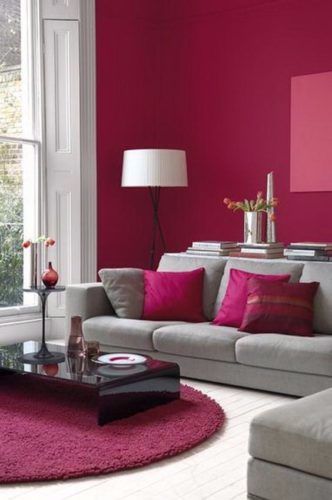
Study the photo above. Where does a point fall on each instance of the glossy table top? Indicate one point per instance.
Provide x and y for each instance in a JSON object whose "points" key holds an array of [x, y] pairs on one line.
{"points": [[81, 370]]}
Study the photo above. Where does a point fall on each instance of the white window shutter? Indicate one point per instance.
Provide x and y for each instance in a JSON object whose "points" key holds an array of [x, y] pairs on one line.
{"points": [[63, 172], [60, 9]]}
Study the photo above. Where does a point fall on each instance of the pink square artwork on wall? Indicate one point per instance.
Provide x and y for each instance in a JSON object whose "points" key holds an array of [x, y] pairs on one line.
{"points": [[311, 133]]}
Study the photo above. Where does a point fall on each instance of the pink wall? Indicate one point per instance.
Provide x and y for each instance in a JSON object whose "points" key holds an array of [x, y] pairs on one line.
{"points": [[225, 98], [126, 118], [211, 77]]}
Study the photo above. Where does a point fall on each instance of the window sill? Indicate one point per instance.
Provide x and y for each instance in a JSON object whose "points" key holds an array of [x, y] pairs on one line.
{"points": [[19, 318]]}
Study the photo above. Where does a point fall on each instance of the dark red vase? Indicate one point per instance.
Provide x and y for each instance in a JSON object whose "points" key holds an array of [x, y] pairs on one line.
{"points": [[50, 276]]}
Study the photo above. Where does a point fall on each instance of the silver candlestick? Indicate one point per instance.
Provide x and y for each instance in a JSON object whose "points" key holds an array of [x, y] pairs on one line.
{"points": [[271, 225]]}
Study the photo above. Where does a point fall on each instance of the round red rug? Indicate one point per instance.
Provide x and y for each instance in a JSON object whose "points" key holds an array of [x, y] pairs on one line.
{"points": [[49, 431]]}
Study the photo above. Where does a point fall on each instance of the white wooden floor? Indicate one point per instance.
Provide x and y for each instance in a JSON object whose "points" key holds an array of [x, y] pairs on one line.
{"points": [[215, 470]]}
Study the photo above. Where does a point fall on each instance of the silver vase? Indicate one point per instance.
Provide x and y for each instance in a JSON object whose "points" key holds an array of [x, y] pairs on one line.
{"points": [[271, 236], [34, 265], [252, 227]]}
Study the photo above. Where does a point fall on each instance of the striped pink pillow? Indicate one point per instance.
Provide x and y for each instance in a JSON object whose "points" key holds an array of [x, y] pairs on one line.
{"points": [[274, 307]]}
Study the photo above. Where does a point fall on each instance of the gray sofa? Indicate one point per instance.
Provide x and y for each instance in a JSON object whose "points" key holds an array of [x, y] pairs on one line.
{"points": [[290, 446], [272, 362], [291, 450]]}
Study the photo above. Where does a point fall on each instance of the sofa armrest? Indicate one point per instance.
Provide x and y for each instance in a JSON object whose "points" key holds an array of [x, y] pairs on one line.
{"points": [[86, 300]]}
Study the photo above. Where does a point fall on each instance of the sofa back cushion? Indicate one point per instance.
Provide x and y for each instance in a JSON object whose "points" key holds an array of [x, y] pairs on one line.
{"points": [[124, 288], [257, 267], [321, 272], [214, 268]]}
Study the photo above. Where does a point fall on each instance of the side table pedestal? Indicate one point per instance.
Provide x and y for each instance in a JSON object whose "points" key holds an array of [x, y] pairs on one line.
{"points": [[43, 356]]}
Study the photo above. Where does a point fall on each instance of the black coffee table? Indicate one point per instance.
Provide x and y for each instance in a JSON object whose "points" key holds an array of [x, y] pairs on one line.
{"points": [[119, 392]]}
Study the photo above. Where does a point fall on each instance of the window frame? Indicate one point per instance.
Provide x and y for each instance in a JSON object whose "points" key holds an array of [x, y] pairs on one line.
{"points": [[32, 51], [24, 308], [40, 11]]}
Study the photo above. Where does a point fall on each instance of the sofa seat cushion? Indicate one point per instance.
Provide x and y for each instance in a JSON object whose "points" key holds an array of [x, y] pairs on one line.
{"points": [[199, 340], [121, 332], [214, 268], [257, 267], [297, 435], [321, 272], [290, 353]]}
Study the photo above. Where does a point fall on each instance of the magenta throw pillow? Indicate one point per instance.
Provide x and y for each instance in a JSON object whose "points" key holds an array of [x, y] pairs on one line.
{"points": [[234, 303], [174, 296], [279, 308]]}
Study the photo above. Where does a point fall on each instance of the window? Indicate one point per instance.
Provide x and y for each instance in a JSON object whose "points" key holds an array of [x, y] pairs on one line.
{"points": [[47, 117], [19, 150]]}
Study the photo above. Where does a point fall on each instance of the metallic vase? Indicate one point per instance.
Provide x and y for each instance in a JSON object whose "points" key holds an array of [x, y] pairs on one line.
{"points": [[252, 227], [76, 366], [271, 236], [34, 265], [76, 344]]}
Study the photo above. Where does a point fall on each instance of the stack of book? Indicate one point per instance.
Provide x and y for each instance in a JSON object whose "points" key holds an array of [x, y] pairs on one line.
{"points": [[214, 248], [259, 250], [309, 251]]}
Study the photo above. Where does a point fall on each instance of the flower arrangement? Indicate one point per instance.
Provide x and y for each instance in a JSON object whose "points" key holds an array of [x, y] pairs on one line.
{"points": [[49, 275], [258, 205], [48, 242]]}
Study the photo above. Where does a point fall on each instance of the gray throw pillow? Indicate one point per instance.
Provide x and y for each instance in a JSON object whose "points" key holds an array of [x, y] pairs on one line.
{"points": [[124, 288]]}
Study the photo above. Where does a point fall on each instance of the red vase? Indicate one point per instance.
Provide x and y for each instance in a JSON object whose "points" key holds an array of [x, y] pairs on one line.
{"points": [[50, 276]]}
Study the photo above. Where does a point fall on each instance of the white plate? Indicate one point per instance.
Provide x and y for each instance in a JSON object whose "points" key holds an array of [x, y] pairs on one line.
{"points": [[113, 371], [121, 359]]}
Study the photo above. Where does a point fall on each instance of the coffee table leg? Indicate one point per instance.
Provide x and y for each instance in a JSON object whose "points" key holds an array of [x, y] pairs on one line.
{"points": [[132, 397]]}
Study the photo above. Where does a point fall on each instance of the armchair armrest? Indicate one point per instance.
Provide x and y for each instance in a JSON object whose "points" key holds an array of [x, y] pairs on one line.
{"points": [[86, 300]]}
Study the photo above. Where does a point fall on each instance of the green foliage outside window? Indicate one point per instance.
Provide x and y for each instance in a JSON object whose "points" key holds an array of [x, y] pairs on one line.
{"points": [[11, 226]]}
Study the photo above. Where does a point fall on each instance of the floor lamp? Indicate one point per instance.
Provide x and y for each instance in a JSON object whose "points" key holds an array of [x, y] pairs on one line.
{"points": [[154, 169]]}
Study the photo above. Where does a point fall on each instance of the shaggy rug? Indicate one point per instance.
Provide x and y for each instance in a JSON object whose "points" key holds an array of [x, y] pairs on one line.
{"points": [[49, 431]]}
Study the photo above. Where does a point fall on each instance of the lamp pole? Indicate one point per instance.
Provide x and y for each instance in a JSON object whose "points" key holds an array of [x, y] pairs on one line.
{"points": [[155, 199]]}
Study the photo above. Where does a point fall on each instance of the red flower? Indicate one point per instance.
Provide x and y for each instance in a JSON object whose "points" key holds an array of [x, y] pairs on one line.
{"points": [[49, 242], [26, 244]]}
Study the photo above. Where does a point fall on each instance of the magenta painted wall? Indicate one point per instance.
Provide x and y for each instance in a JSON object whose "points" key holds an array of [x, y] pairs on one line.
{"points": [[126, 118], [225, 98], [212, 77]]}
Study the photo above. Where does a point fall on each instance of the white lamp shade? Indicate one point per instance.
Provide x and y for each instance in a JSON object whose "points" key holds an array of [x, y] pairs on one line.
{"points": [[154, 167]]}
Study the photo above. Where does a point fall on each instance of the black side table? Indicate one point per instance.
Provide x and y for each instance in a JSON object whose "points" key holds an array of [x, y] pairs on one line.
{"points": [[43, 356]]}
